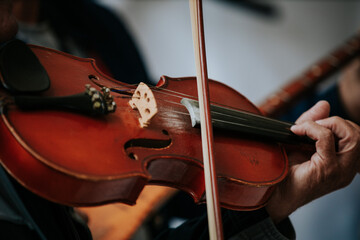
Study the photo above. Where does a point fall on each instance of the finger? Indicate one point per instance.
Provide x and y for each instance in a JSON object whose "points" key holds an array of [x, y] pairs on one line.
{"points": [[319, 111], [325, 142], [346, 131], [357, 127]]}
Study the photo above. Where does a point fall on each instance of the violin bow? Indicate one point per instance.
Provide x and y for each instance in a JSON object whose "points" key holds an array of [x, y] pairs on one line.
{"points": [[207, 139]]}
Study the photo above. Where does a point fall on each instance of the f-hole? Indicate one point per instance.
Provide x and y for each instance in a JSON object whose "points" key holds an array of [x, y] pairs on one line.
{"points": [[147, 143]]}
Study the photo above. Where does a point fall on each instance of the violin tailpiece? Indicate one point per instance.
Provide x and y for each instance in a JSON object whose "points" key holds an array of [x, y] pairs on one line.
{"points": [[91, 102]]}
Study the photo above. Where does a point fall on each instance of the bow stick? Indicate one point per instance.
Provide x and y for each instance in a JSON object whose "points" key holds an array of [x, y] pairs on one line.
{"points": [[212, 202]]}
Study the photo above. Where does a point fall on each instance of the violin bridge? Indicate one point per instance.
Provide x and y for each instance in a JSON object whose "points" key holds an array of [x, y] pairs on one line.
{"points": [[144, 101]]}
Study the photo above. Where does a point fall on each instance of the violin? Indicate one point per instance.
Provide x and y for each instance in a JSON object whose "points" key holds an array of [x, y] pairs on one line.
{"points": [[57, 149]]}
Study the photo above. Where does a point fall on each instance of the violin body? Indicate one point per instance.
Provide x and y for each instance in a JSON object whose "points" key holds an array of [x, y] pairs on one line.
{"points": [[81, 160]]}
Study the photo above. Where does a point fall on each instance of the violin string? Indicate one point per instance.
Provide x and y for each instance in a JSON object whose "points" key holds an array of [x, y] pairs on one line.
{"points": [[165, 114], [167, 110], [274, 131], [282, 129], [172, 93], [279, 131], [128, 97], [245, 118], [234, 122], [180, 95], [154, 88], [177, 94], [162, 91]]}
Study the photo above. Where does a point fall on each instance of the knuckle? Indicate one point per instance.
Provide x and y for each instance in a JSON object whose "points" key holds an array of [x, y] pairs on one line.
{"points": [[327, 134], [353, 139], [336, 119]]}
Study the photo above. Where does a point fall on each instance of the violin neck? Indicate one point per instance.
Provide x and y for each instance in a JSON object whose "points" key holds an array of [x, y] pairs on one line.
{"points": [[282, 100], [248, 124]]}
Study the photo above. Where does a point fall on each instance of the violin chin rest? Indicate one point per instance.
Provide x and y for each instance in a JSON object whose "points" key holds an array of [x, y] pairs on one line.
{"points": [[20, 70]]}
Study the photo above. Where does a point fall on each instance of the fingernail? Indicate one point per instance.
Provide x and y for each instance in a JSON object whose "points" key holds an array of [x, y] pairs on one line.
{"points": [[293, 127]]}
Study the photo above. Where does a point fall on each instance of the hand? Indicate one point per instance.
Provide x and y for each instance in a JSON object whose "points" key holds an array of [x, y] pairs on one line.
{"points": [[333, 165], [349, 90], [8, 25]]}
